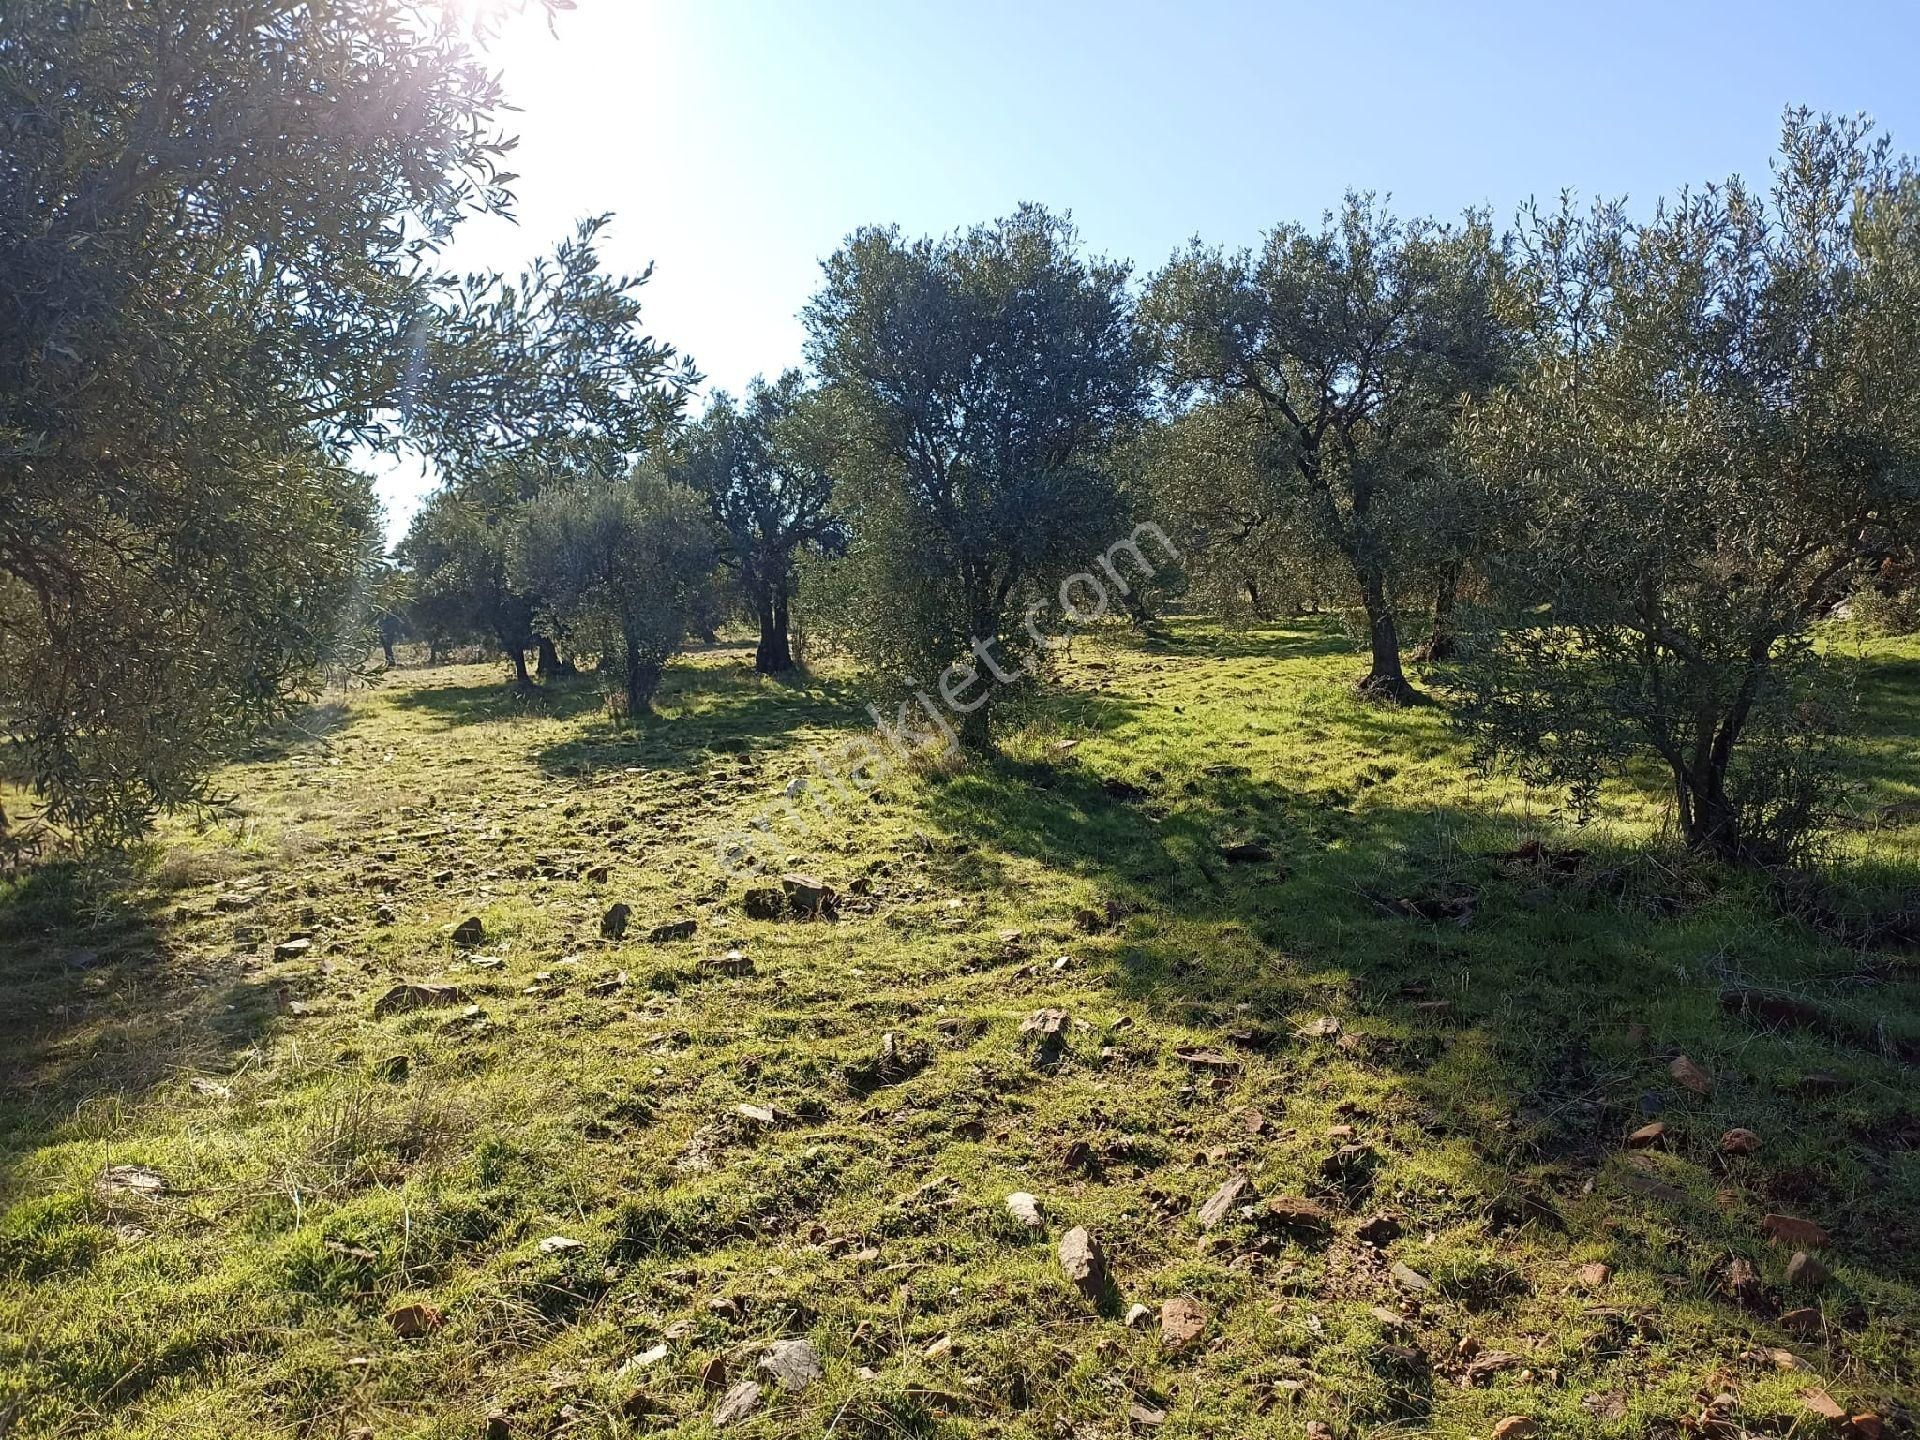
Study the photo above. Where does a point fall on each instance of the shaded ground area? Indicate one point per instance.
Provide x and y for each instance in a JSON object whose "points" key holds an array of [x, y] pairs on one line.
{"points": [[1298, 950]]}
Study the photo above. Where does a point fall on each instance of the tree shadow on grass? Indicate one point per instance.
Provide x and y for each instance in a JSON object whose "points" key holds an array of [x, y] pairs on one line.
{"points": [[95, 1012], [704, 711], [1526, 1008]]}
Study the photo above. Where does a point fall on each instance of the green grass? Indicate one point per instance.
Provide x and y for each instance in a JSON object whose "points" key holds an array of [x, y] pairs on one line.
{"points": [[312, 1187]]}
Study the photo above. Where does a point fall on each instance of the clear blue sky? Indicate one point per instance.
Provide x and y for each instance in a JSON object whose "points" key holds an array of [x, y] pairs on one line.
{"points": [[738, 142]]}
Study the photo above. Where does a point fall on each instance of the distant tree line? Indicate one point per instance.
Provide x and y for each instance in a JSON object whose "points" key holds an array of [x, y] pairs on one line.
{"points": [[1605, 477]]}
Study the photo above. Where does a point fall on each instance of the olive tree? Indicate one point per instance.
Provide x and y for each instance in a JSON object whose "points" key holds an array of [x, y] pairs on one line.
{"points": [[1346, 352], [766, 469], [527, 383], [985, 375], [622, 565], [1716, 442], [217, 230]]}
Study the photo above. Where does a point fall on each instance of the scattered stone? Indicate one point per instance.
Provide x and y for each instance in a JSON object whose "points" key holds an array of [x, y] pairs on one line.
{"points": [[1221, 1203], [1295, 1213], [1690, 1075], [1516, 1427], [498, 1427], [1146, 1416], [212, 1088], [613, 924], [761, 1115], [1049, 1027], [1204, 1059], [599, 874], [394, 1068], [1788, 1361], [1084, 1262], [740, 1402], [764, 903], [1325, 1028], [648, 1357], [1137, 1316], [1648, 1135], [1644, 1182], [406, 997], [410, 1322], [132, 1180], [1182, 1321], [1744, 1285], [560, 1244], [292, 949], [897, 1060], [1791, 1230], [734, 962], [1739, 1142], [1245, 852], [1026, 1210], [672, 930], [1820, 1403], [1379, 1230], [1805, 1272], [1409, 1279], [1806, 1320], [234, 903], [1868, 1426], [1594, 1276], [794, 1363], [808, 897], [610, 985], [469, 933]]}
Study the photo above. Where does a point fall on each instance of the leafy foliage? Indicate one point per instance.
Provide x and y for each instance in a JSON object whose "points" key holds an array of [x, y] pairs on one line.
{"points": [[986, 375], [1716, 444], [766, 468], [622, 565], [217, 224], [1344, 353]]}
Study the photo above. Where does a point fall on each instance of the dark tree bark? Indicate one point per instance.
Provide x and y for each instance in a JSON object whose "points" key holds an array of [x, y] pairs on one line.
{"points": [[552, 666], [1385, 681], [775, 652], [1443, 643], [518, 656], [642, 681]]}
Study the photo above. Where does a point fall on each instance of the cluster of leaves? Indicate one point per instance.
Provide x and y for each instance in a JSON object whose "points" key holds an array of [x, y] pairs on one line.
{"points": [[217, 231], [1712, 446]]}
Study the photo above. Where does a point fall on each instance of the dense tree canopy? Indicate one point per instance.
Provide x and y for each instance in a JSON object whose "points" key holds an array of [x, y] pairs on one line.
{"points": [[621, 564], [986, 375], [766, 468], [1716, 445], [217, 227], [1347, 351]]}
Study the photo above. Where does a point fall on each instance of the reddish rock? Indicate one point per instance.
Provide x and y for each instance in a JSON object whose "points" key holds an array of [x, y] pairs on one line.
{"points": [[1182, 1321], [1739, 1142], [1648, 1135], [1690, 1075], [1791, 1230]]}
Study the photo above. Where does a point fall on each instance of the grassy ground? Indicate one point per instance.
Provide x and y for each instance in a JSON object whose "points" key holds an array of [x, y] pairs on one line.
{"points": [[223, 1172]]}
